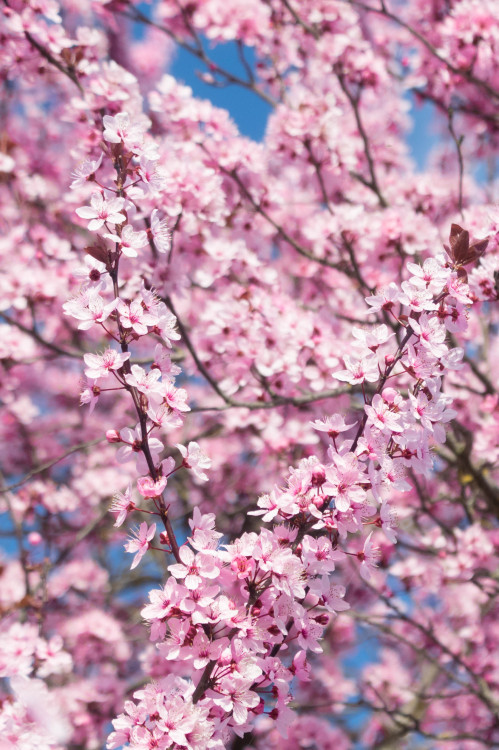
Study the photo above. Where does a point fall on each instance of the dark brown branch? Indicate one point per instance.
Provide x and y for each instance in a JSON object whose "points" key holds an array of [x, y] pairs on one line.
{"points": [[458, 140], [372, 184]]}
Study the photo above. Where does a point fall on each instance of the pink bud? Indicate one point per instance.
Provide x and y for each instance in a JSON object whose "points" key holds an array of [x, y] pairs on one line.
{"points": [[113, 436], [149, 488], [389, 394], [260, 708], [318, 477], [322, 619], [34, 538]]}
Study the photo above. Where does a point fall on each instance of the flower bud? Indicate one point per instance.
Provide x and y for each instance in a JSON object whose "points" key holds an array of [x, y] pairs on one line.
{"points": [[322, 619], [318, 476], [260, 708]]}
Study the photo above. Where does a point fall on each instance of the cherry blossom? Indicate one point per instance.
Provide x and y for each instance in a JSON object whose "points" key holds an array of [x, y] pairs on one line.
{"points": [[84, 171], [194, 458], [134, 317], [150, 488], [102, 211], [298, 313], [123, 128], [380, 415], [122, 505], [89, 307], [100, 365], [160, 232], [134, 448], [358, 371], [194, 568], [368, 558], [343, 481], [333, 425], [129, 240], [146, 382], [139, 542], [238, 699]]}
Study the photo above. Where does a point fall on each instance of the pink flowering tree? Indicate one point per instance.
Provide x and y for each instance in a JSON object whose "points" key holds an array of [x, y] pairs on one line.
{"points": [[249, 469]]}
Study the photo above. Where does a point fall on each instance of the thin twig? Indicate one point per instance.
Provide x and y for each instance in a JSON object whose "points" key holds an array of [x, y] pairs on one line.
{"points": [[458, 140], [48, 464], [373, 182], [231, 403], [134, 14], [35, 335], [305, 26]]}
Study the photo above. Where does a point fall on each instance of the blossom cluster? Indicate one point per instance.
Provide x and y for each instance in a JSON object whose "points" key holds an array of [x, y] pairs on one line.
{"points": [[272, 522]]}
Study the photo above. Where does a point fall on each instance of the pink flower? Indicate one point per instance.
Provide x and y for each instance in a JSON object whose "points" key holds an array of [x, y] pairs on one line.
{"points": [[309, 633], [203, 650], [99, 365], [333, 425], [358, 371], [385, 300], [300, 667], [194, 568], [151, 175], [89, 307], [164, 417], [139, 542], [163, 362], [236, 697], [122, 128], [129, 240], [90, 395], [431, 275], [343, 480], [150, 488], [171, 646], [175, 398], [388, 522], [85, 170], [133, 448], [329, 595], [166, 325], [380, 415], [135, 317], [160, 232], [146, 382], [195, 459], [372, 339], [368, 558], [122, 505], [102, 211], [431, 333], [163, 601], [416, 298], [91, 272], [273, 503], [458, 289]]}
